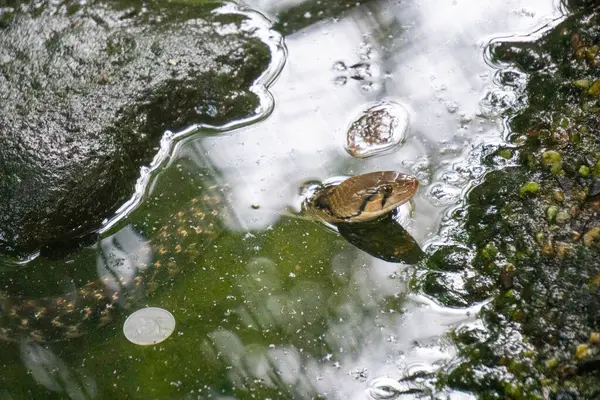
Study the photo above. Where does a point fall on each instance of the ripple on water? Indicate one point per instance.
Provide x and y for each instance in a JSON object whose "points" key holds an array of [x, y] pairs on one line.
{"points": [[444, 195], [380, 128], [496, 102], [385, 388]]}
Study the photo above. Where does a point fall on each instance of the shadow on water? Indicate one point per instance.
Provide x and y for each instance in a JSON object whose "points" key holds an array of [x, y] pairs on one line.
{"points": [[383, 238]]}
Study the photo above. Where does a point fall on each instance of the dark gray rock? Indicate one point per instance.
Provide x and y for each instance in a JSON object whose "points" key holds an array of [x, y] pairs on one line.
{"points": [[86, 92]]}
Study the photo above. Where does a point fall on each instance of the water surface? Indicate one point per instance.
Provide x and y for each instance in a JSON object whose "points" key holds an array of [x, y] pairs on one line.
{"points": [[272, 306]]}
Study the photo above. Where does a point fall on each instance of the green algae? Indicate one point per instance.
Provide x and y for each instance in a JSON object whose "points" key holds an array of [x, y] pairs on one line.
{"points": [[553, 160], [529, 187]]}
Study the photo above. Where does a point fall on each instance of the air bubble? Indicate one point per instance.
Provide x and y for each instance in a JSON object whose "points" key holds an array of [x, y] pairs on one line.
{"points": [[340, 80], [339, 66]]}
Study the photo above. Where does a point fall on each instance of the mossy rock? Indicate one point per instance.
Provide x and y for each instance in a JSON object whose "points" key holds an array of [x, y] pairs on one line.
{"points": [[86, 93]]}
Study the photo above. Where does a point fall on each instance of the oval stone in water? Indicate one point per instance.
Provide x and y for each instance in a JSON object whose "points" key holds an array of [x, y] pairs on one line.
{"points": [[148, 326], [379, 129]]}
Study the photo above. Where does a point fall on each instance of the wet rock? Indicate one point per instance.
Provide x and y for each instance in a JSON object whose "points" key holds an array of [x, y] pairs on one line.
{"points": [[548, 300], [562, 217], [594, 188], [380, 128], [86, 93]]}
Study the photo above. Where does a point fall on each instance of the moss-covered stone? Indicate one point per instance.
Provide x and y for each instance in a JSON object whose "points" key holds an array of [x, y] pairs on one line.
{"points": [[553, 160], [529, 187], [86, 93], [542, 217]]}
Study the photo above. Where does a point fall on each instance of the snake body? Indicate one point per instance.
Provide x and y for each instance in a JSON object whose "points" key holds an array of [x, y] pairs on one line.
{"points": [[125, 279], [184, 236]]}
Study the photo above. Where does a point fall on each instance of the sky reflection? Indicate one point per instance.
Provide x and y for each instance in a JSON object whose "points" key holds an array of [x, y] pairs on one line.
{"points": [[431, 62]]}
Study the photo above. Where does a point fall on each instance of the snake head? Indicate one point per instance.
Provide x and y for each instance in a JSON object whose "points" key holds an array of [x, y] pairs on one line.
{"points": [[363, 197]]}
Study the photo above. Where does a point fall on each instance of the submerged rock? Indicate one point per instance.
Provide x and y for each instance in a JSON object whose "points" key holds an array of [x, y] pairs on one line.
{"points": [[86, 93], [380, 128]]}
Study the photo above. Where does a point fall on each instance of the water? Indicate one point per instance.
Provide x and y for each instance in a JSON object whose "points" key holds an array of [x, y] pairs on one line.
{"points": [[268, 305]]}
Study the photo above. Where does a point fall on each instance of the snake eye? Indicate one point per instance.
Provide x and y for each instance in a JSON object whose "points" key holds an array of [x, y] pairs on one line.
{"points": [[387, 191]]}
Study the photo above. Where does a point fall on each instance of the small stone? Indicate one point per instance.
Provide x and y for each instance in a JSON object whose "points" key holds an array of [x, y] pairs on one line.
{"points": [[551, 213], [558, 195], [591, 235], [489, 251], [548, 249], [380, 128], [561, 137], [561, 248], [596, 170], [553, 160], [562, 217], [581, 83], [595, 88], [582, 351], [529, 187], [507, 276], [594, 188]]}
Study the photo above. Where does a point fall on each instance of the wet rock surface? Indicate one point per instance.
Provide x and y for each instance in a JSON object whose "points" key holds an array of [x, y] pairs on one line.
{"points": [[86, 93], [529, 241]]}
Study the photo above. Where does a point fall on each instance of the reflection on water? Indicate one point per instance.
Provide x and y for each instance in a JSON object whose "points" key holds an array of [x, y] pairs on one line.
{"points": [[52, 373], [267, 305], [385, 239], [122, 257]]}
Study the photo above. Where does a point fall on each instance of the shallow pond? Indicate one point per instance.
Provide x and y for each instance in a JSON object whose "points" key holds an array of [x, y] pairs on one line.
{"points": [[268, 305]]}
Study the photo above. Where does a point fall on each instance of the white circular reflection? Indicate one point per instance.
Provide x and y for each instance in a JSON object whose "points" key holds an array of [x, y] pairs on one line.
{"points": [[148, 326]]}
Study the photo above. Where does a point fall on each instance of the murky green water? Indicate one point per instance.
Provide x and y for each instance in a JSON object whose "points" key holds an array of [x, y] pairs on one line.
{"points": [[268, 305]]}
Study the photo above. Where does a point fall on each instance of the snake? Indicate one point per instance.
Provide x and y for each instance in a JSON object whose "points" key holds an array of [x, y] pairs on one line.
{"points": [[361, 198], [182, 236]]}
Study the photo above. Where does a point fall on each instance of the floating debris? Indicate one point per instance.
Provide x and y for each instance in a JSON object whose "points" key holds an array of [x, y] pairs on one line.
{"points": [[148, 326], [379, 129]]}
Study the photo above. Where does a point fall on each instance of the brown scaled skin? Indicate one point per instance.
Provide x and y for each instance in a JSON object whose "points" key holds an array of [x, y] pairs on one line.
{"points": [[362, 198]]}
